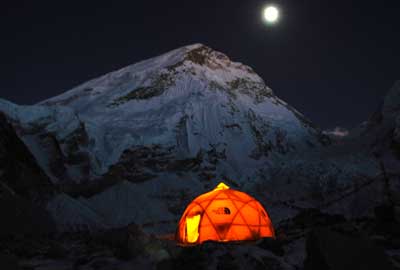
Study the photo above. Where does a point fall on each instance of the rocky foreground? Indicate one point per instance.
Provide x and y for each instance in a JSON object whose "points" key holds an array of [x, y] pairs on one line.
{"points": [[311, 240]]}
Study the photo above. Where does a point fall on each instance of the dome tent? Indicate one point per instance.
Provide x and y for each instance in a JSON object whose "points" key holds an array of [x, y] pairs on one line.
{"points": [[223, 215]]}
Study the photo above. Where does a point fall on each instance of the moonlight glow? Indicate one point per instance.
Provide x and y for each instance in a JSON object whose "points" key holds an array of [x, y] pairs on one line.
{"points": [[271, 14]]}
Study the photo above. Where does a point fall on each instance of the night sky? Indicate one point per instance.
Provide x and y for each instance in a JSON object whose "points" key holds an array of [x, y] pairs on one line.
{"points": [[332, 60]]}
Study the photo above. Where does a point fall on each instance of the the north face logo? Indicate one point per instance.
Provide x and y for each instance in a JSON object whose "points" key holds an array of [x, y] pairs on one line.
{"points": [[222, 211]]}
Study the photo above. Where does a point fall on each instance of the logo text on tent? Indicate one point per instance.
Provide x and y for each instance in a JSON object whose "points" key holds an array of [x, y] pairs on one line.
{"points": [[222, 211]]}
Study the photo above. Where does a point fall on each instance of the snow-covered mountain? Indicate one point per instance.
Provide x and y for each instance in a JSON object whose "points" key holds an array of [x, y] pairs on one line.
{"points": [[173, 125], [189, 100], [137, 144]]}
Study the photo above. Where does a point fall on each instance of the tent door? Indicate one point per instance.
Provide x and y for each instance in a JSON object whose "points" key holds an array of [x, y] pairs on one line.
{"points": [[192, 228]]}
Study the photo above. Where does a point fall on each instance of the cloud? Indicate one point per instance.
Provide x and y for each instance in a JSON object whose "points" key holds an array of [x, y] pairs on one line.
{"points": [[337, 132]]}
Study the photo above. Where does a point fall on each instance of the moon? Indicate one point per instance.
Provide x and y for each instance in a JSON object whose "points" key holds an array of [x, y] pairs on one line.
{"points": [[271, 14]]}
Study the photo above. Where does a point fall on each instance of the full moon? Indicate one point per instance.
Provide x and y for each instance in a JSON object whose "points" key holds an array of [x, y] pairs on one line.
{"points": [[271, 14]]}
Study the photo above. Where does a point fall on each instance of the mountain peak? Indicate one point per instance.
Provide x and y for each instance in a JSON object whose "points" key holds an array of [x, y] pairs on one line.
{"points": [[205, 56], [201, 54], [156, 75]]}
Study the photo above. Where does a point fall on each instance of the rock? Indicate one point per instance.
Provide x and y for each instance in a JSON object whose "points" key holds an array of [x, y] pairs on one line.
{"points": [[314, 217], [386, 222], [385, 213], [24, 187], [127, 243], [8, 262], [19, 169], [156, 251], [56, 251], [327, 249], [189, 258], [273, 245], [227, 262], [20, 216], [165, 265]]}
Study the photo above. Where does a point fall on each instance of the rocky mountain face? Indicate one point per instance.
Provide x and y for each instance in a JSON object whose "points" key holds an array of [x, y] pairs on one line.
{"points": [[19, 171], [380, 137], [24, 187], [383, 129]]}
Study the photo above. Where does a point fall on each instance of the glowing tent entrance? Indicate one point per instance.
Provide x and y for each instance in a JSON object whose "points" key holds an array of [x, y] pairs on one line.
{"points": [[223, 215]]}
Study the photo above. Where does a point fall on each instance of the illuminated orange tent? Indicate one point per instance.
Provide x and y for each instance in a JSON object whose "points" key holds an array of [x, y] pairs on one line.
{"points": [[223, 215]]}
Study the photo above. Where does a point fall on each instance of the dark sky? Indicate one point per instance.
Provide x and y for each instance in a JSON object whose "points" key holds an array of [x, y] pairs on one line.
{"points": [[332, 60]]}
